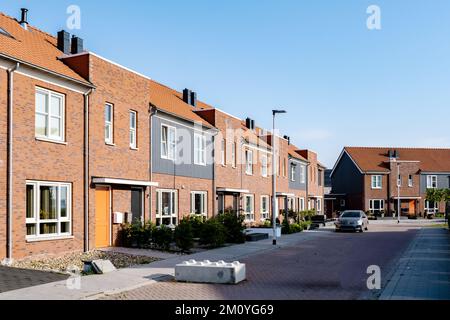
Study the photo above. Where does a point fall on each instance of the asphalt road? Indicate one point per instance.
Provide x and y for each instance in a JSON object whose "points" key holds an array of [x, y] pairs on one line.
{"points": [[330, 267]]}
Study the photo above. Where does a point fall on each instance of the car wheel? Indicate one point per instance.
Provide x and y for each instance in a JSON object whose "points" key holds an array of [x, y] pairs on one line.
{"points": [[362, 229]]}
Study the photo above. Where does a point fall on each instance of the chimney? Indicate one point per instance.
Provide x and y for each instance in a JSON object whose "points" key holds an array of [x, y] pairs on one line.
{"points": [[187, 96], [64, 41], [288, 139], [193, 99], [252, 124], [77, 45], [396, 154], [390, 155], [248, 123], [24, 18]]}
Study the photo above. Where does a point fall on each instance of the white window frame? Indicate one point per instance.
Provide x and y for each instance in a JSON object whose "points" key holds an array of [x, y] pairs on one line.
{"points": [[410, 181], [302, 173], [223, 146], [291, 203], [249, 215], [301, 204], [133, 130], [431, 210], [319, 205], [48, 115], [431, 180], [264, 166], [173, 215], [382, 204], [36, 219], [109, 124], [376, 181], [293, 172], [233, 154], [265, 212], [204, 203], [199, 149], [249, 162], [170, 146], [399, 180]]}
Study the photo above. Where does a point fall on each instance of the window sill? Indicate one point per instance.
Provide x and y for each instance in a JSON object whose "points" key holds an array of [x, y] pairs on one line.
{"points": [[110, 144], [134, 149], [50, 141], [40, 239]]}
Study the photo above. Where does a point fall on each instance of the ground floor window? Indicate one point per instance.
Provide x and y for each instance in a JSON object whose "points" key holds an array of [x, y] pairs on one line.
{"points": [[265, 207], [48, 209], [166, 207], [199, 203], [291, 204], [376, 205], [319, 205], [431, 207], [249, 209], [301, 204]]}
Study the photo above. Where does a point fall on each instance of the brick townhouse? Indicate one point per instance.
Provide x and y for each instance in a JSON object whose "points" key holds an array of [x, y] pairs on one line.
{"points": [[374, 179], [86, 144]]}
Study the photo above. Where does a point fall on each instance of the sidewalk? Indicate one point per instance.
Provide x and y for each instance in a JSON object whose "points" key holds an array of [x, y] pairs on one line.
{"points": [[423, 272], [126, 279]]}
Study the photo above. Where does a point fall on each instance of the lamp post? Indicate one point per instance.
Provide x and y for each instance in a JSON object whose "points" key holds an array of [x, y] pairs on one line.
{"points": [[398, 193], [274, 184]]}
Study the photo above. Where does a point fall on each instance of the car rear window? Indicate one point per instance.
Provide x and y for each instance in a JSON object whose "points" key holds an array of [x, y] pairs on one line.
{"points": [[351, 214]]}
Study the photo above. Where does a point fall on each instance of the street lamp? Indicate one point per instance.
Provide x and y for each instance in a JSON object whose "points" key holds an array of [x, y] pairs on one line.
{"points": [[274, 185], [398, 193]]}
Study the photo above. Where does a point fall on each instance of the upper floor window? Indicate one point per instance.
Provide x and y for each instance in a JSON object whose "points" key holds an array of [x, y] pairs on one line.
{"points": [[109, 123], [293, 171], [249, 162], [431, 182], [168, 142], [222, 152], [320, 177], [302, 174], [264, 165], [399, 180], [133, 129], [410, 181], [233, 155], [49, 122], [199, 149], [284, 167], [376, 182]]}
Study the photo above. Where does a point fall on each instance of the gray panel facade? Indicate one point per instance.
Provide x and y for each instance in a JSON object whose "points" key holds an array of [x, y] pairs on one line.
{"points": [[184, 163], [443, 181], [346, 177], [297, 184]]}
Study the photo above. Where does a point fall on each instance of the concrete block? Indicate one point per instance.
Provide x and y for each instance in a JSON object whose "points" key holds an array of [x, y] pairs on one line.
{"points": [[103, 266], [210, 272], [269, 231]]}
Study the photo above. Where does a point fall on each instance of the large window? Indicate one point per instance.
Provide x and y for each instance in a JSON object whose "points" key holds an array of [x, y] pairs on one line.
{"points": [[233, 155], [199, 203], [431, 206], [166, 207], [199, 149], [133, 129], [109, 123], [376, 182], [293, 171], [291, 203], [168, 142], [49, 121], [249, 162], [265, 207], [249, 207], [431, 182], [264, 165], [48, 209], [301, 204], [319, 205], [376, 205], [223, 158], [302, 174]]}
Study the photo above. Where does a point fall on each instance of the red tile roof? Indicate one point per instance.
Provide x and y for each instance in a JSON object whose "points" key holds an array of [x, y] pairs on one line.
{"points": [[34, 47], [293, 152], [376, 159]]}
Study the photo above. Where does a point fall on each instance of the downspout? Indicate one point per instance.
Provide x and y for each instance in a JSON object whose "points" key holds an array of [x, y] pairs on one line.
{"points": [[10, 160], [86, 169], [214, 186], [152, 111], [307, 185]]}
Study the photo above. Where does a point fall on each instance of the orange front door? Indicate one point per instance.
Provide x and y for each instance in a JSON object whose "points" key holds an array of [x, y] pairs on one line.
{"points": [[102, 217], [412, 206]]}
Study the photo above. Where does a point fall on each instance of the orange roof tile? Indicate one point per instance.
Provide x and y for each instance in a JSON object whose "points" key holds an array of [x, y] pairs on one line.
{"points": [[171, 101], [376, 159], [34, 47]]}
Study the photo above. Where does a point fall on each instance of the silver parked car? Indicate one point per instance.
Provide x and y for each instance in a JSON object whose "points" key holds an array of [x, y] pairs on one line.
{"points": [[355, 220]]}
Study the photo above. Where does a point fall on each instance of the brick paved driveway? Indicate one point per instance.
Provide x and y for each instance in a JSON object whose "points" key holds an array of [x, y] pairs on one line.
{"points": [[329, 267], [13, 279]]}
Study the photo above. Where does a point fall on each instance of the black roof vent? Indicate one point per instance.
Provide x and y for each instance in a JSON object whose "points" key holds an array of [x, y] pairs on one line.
{"points": [[24, 18], [396, 154], [288, 139], [77, 45], [63, 43], [248, 123], [193, 98], [187, 96]]}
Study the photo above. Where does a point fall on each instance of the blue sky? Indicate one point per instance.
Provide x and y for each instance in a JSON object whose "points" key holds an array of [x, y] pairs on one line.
{"points": [[341, 83]]}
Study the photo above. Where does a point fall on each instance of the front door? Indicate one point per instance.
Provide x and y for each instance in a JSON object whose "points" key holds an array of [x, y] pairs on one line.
{"points": [[136, 204], [102, 217], [412, 207]]}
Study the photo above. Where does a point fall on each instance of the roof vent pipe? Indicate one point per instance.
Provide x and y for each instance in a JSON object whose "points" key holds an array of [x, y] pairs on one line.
{"points": [[248, 123], [24, 18], [187, 96], [77, 45], [193, 99]]}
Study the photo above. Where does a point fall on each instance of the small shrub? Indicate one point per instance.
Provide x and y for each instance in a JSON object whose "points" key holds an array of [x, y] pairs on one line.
{"points": [[162, 237], [213, 233], [183, 235], [285, 227], [234, 227], [305, 224], [196, 223], [295, 228], [267, 223]]}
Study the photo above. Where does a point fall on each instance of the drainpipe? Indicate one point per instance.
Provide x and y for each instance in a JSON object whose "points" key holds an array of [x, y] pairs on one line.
{"points": [[307, 186], [152, 111], [86, 169], [10, 160]]}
